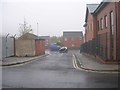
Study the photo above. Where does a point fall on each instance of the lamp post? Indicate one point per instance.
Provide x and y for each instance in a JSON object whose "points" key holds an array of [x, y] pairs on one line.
{"points": [[37, 28]]}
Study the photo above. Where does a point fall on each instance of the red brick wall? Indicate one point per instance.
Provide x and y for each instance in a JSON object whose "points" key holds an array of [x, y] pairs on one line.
{"points": [[94, 27], [89, 28], [69, 42], [106, 11], [118, 53], [40, 47]]}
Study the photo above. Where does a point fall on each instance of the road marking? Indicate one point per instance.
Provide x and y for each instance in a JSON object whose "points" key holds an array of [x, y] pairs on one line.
{"points": [[74, 64], [95, 71]]}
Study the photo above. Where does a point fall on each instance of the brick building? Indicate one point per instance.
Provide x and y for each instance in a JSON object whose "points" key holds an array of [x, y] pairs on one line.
{"points": [[29, 45], [107, 30], [90, 23], [106, 20], [47, 41], [72, 39]]}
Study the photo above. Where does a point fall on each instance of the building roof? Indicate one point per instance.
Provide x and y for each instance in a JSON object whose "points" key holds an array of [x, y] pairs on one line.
{"points": [[45, 37], [90, 9], [72, 34], [30, 36], [100, 7]]}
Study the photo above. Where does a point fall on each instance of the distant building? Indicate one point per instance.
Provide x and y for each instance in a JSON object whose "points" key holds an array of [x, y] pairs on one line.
{"points": [[72, 39], [29, 45], [47, 41]]}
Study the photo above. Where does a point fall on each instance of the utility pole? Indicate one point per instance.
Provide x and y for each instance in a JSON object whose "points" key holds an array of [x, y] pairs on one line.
{"points": [[37, 28]]}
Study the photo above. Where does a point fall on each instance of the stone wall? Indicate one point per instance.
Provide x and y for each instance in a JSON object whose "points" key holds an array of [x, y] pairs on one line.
{"points": [[25, 47]]}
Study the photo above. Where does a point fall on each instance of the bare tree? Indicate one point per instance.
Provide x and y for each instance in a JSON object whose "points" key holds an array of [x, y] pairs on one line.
{"points": [[24, 28]]}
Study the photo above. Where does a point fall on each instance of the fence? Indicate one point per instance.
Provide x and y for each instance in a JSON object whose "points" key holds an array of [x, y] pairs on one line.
{"points": [[97, 46], [0, 48], [7, 46]]}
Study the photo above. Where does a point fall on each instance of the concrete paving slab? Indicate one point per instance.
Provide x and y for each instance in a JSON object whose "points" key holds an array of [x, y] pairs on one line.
{"points": [[91, 63]]}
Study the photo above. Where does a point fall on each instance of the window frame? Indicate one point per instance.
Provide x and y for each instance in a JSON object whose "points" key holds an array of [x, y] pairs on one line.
{"points": [[112, 22], [101, 23], [98, 25], [106, 21]]}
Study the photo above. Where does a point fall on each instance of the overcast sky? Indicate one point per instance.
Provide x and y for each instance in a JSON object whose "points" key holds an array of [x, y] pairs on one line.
{"points": [[53, 16]]}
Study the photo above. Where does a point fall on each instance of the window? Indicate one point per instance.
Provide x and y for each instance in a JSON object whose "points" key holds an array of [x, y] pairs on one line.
{"points": [[106, 23], [65, 39], [111, 35], [73, 45], [88, 28], [72, 39], [111, 23], [81, 38], [101, 24], [91, 27], [98, 25]]}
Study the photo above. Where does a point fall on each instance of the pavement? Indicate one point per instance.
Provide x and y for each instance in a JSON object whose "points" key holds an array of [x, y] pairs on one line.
{"points": [[90, 63], [20, 60]]}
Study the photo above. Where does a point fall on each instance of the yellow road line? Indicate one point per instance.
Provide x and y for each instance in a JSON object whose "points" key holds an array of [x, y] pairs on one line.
{"points": [[74, 64], [77, 67]]}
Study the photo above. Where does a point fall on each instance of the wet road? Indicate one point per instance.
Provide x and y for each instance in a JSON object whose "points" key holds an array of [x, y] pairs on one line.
{"points": [[55, 71]]}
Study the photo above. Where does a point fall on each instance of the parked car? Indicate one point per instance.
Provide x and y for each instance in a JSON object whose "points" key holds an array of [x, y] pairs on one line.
{"points": [[63, 50], [54, 47]]}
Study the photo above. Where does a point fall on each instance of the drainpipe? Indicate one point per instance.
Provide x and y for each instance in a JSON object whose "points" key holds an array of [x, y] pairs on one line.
{"points": [[116, 12], [117, 30]]}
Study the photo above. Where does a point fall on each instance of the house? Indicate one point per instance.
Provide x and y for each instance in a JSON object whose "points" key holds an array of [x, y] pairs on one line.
{"points": [[108, 31], [47, 41], [90, 23], [104, 41], [72, 39], [29, 45]]}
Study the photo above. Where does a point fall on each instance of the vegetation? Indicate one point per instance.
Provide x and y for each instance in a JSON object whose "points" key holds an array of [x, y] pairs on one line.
{"points": [[57, 40], [24, 28]]}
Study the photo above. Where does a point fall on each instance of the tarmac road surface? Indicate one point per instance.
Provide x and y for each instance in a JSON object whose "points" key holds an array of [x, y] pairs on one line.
{"points": [[55, 71]]}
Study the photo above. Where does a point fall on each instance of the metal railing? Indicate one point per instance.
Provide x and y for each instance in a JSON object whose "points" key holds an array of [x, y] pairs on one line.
{"points": [[97, 46]]}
